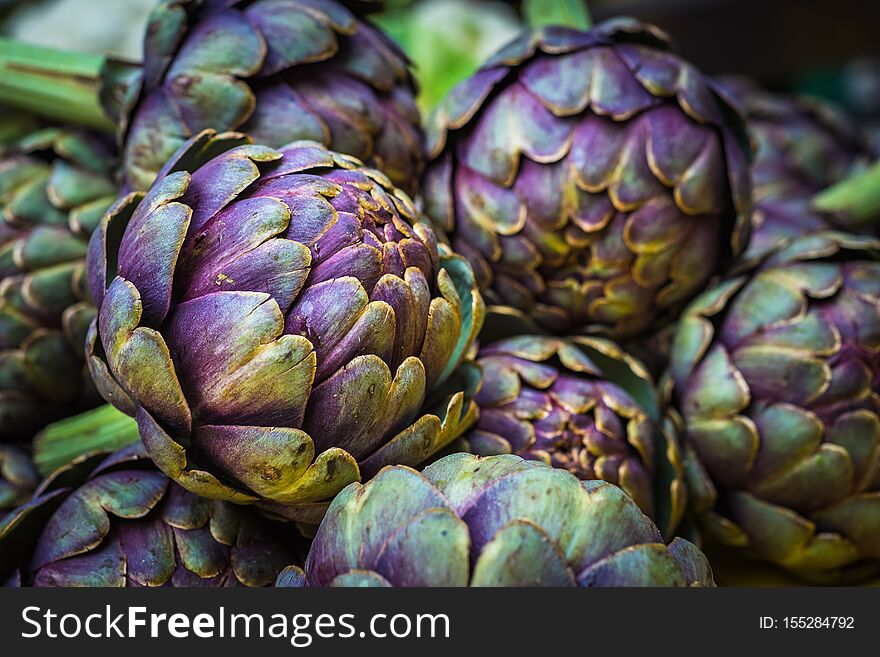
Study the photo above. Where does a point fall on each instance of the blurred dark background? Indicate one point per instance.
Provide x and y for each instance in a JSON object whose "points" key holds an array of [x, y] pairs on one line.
{"points": [[816, 45]]}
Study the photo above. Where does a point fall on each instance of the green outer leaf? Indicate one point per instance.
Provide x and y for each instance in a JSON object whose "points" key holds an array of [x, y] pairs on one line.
{"points": [[103, 428], [567, 13], [57, 84], [858, 196]]}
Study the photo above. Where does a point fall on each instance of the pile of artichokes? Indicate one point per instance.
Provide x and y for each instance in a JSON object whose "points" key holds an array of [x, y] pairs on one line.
{"points": [[584, 325]]}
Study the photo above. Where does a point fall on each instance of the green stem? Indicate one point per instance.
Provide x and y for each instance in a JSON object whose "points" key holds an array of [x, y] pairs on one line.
{"points": [[103, 428], [55, 84], [857, 196], [566, 13]]}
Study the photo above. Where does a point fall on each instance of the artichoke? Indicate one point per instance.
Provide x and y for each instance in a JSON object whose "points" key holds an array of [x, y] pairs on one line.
{"points": [[595, 181], [573, 405], [776, 375], [126, 524], [276, 320], [491, 521], [281, 70], [803, 145], [54, 186], [18, 476]]}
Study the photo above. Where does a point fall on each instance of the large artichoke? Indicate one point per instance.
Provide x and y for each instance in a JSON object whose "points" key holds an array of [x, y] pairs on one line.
{"points": [[594, 180], [281, 70], [127, 524], [585, 406], [492, 521], [54, 186], [776, 374], [276, 321], [803, 145]]}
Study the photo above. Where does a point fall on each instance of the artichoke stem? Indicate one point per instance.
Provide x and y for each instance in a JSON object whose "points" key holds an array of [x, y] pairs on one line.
{"points": [[56, 84], [565, 13], [857, 196], [102, 429]]}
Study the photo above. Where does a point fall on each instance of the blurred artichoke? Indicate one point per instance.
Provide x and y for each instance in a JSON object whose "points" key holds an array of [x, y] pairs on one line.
{"points": [[585, 406], [281, 70], [276, 321], [776, 375], [18, 476], [803, 145], [54, 186], [594, 180], [126, 524], [493, 521]]}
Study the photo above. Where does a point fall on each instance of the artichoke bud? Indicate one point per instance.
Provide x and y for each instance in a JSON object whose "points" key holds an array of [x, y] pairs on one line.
{"points": [[276, 321]]}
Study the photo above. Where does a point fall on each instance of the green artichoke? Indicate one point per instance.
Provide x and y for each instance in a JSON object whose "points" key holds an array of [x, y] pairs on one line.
{"points": [[492, 521], [776, 375], [280, 70], [117, 521], [54, 186], [583, 405], [280, 322], [595, 181], [18, 476]]}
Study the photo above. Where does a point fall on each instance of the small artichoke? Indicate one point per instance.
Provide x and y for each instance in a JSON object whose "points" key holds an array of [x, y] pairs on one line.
{"points": [[491, 521], [54, 186], [776, 374], [280, 70], [595, 181], [583, 405], [127, 524], [276, 320], [18, 476]]}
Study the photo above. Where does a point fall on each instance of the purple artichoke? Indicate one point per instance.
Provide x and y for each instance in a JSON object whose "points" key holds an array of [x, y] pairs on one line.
{"points": [[277, 322], [127, 524], [493, 521], [776, 375], [54, 186], [584, 406], [803, 145], [595, 181], [280, 70]]}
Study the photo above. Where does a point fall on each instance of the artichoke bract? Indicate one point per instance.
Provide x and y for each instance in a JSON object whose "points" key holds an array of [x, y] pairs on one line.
{"points": [[55, 184], [583, 405], [279, 322], [18, 476], [280, 70], [491, 521], [117, 521], [776, 375], [595, 181], [803, 146]]}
